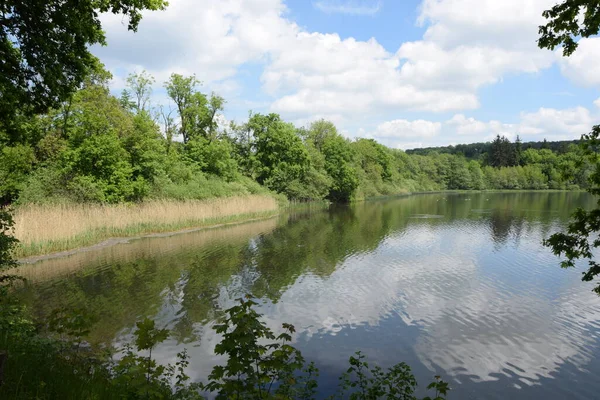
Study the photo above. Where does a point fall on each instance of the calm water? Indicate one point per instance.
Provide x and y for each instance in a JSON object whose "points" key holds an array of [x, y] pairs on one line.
{"points": [[453, 284]]}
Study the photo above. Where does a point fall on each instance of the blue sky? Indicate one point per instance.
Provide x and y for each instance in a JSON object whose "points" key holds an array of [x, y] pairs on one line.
{"points": [[409, 73]]}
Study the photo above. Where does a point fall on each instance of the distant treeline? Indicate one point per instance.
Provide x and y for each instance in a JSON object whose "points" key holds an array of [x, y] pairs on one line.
{"points": [[477, 150], [96, 147]]}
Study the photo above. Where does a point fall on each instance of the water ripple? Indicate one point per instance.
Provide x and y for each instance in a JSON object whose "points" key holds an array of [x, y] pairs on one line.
{"points": [[457, 285]]}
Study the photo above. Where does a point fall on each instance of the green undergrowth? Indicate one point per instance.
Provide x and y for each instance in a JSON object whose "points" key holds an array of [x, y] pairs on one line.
{"points": [[50, 360]]}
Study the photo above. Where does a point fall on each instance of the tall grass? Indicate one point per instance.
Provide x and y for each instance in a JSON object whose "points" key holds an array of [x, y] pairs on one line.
{"points": [[163, 244], [44, 229]]}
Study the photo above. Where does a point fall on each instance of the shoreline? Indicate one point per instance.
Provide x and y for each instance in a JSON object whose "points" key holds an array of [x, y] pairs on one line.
{"points": [[59, 230], [31, 253], [113, 241]]}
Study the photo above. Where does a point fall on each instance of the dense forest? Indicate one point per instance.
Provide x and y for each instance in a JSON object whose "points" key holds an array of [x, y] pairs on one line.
{"points": [[482, 149], [96, 147]]}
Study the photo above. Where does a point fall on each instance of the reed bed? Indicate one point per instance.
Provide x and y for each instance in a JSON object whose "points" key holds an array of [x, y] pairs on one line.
{"points": [[44, 268], [44, 229]]}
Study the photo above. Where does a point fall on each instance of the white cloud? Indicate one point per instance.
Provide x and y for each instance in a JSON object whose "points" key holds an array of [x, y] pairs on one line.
{"points": [[548, 123], [229, 88], [467, 126], [336, 119], [467, 44], [401, 129], [472, 43], [428, 65], [507, 24], [470, 126], [557, 124], [352, 7], [545, 123], [410, 145], [312, 72], [326, 74], [458, 129], [207, 37], [583, 66]]}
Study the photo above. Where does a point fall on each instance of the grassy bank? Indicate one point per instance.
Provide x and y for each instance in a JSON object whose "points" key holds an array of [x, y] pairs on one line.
{"points": [[44, 229], [181, 242]]}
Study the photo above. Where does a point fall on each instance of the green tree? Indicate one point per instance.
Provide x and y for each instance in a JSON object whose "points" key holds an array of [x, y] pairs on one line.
{"points": [[94, 111], [337, 155], [564, 25], [182, 90], [44, 47], [315, 183], [280, 154], [168, 121], [580, 238], [573, 167], [459, 176], [215, 105], [101, 171], [111, 155], [546, 160], [502, 153], [338, 164], [371, 154], [139, 87], [7, 242], [243, 143], [197, 112], [319, 132], [361, 382], [477, 176], [146, 148], [213, 156], [518, 150], [16, 162], [254, 369]]}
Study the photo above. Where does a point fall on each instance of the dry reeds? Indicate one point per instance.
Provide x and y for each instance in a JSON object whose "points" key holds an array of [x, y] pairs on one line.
{"points": [[43, 268], [43, 229]]}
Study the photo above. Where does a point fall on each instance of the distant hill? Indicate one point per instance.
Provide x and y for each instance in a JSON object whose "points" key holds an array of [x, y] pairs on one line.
{"points": [[475, 150]]}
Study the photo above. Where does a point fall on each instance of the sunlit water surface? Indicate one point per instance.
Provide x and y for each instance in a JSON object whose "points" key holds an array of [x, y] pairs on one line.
{"points": [[453, 284]]}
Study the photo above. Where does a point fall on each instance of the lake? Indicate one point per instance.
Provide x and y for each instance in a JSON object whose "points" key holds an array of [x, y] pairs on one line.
{"points": [[457, 285]]}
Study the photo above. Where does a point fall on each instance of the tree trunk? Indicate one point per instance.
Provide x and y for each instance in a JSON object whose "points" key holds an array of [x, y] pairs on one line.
{"points": [[3, 358]]}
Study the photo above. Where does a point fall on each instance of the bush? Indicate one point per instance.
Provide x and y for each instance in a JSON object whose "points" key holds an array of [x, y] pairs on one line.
{"points": [[16, 163], [262, 365], [45, 185], [202, 187], [213, 157]]}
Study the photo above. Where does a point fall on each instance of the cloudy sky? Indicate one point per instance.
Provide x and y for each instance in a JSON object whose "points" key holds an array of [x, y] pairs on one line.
{"points": [[409, 73]]}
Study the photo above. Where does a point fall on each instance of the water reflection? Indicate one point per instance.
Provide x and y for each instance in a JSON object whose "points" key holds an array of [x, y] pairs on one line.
{"points": [[452, 283]]}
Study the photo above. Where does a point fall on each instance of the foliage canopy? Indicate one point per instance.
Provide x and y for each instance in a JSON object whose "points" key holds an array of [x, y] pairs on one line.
{"points": [[581, 237], [44, 47], [564, 26]]}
